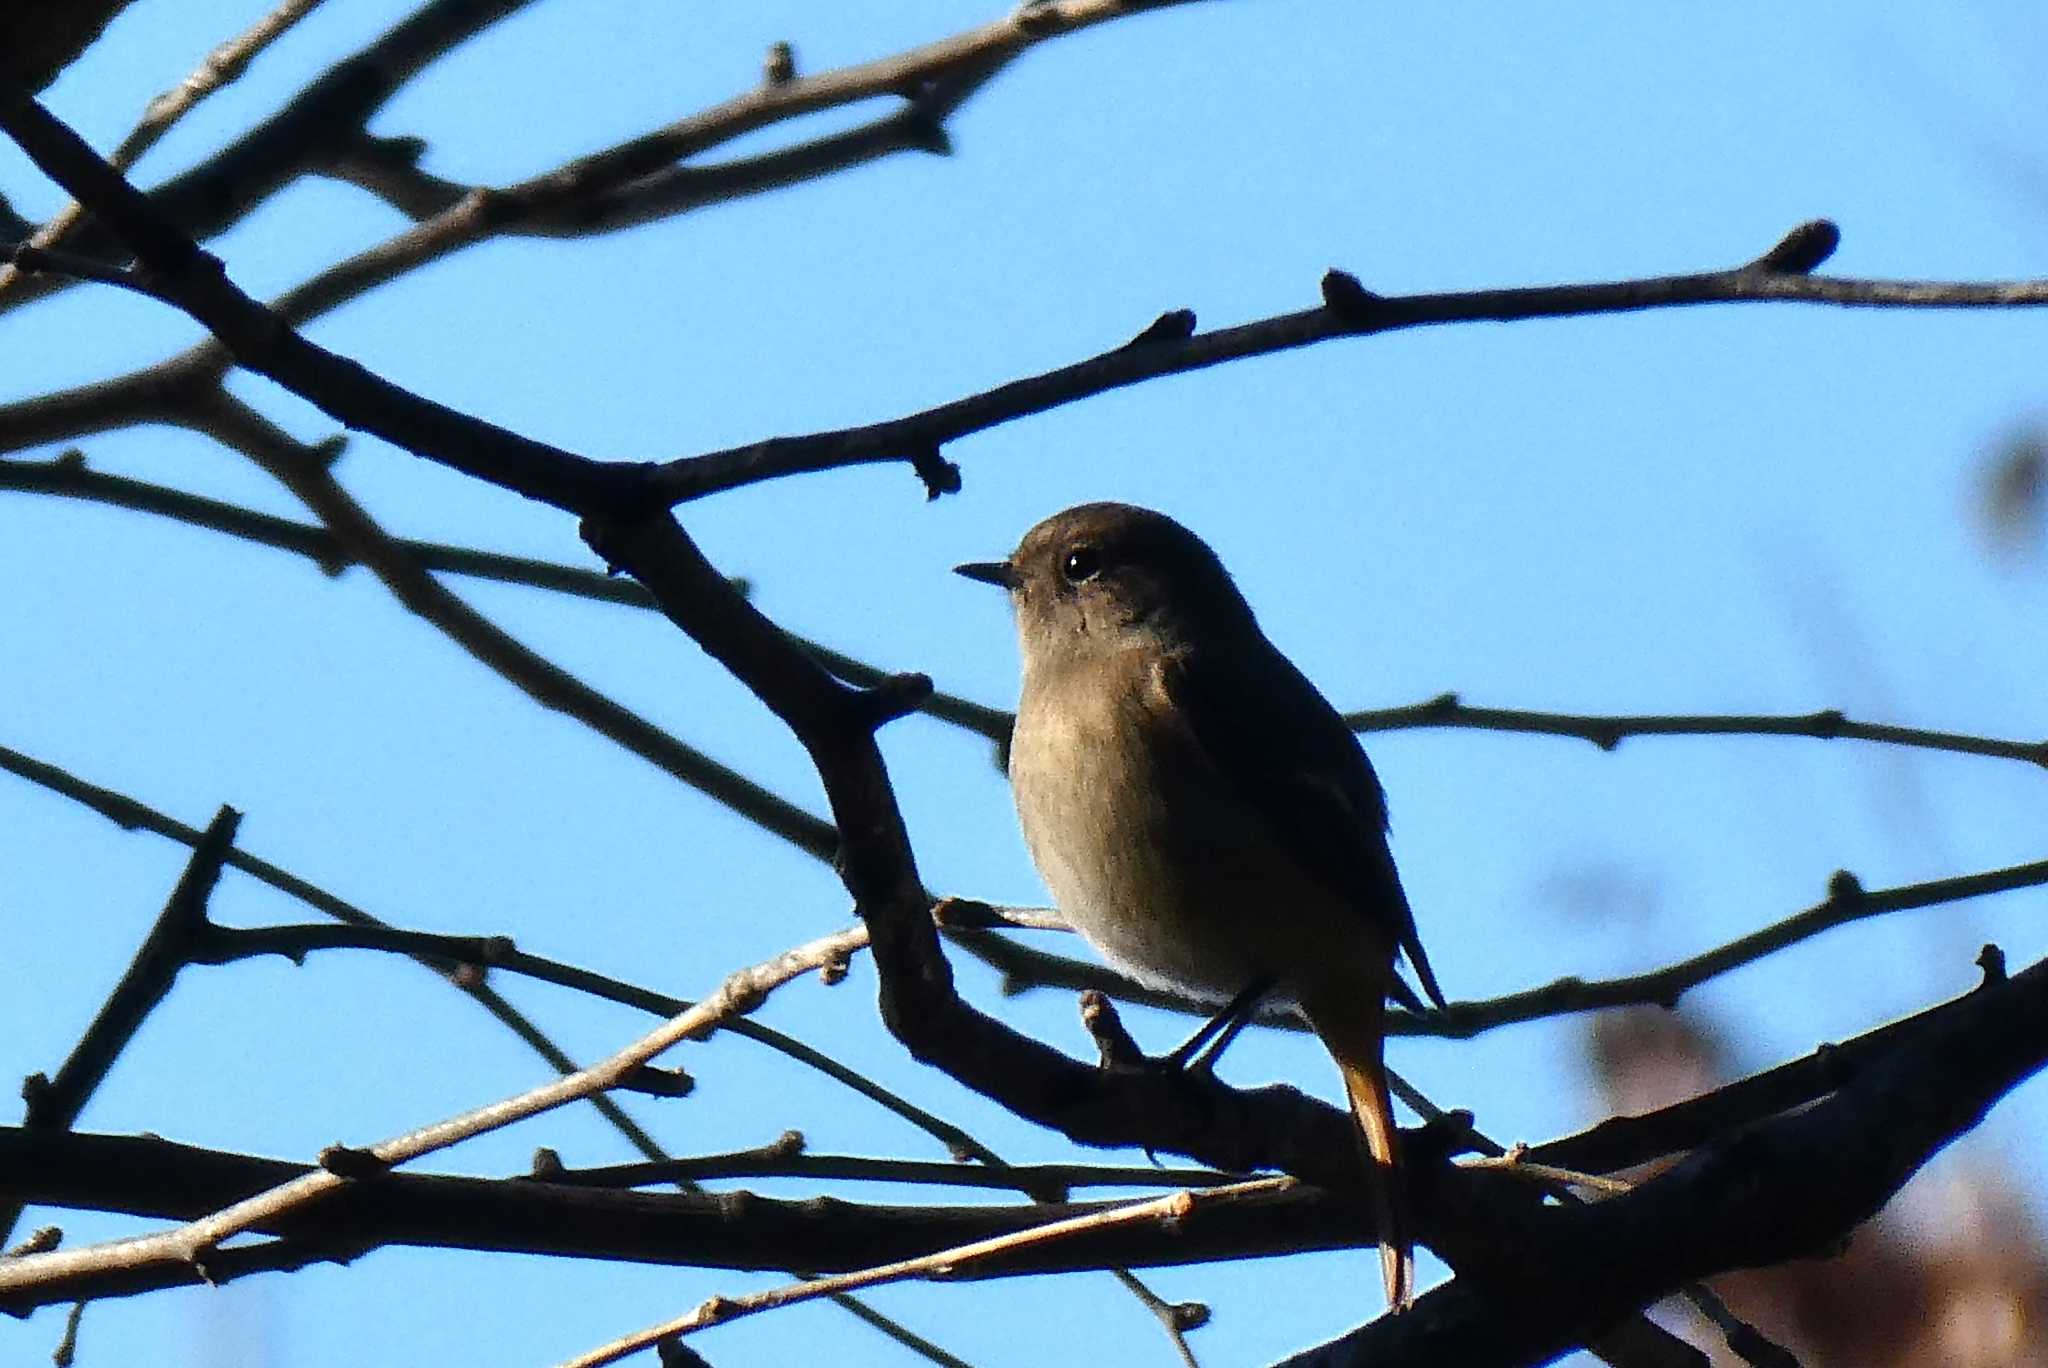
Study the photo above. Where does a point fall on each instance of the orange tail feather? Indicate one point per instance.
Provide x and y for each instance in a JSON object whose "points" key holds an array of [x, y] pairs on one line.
{"points": [[1353, 1036]]}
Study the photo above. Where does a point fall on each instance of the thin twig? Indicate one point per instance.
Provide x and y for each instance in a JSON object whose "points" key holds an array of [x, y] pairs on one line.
{"points": [[1025, 968], [66, 1352], [312, 482], [1175, 1318], [68, 475], [221, 67], [1175, 1207], [1609, 731], [605, 191], [39, 1241], [914, 435], [54, 1103], [221, 190], [1548, 1174], [191, 1243], [1847, 902], [1048, 1180]]}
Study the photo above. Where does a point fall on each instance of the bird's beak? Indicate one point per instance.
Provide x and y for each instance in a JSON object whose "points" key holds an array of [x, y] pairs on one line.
{"points": [[997, 573]]}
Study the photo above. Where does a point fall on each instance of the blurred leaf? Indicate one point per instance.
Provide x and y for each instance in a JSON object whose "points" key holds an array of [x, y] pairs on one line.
{"points": [[2013, 497]]}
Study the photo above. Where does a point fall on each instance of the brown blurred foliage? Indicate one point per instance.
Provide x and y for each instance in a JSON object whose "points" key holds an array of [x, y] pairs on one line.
{"points": [[2012, 497], [1972, 1292]]}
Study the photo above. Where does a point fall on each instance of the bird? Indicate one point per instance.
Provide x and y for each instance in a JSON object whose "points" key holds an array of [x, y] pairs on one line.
{"points": [[1200, 813]]}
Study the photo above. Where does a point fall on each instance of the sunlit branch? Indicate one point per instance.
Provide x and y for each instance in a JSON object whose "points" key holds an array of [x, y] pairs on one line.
{"points": [[190, 1245]]}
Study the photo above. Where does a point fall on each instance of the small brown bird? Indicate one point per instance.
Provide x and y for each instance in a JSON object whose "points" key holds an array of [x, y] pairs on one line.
{"points": [[1200, 812]]}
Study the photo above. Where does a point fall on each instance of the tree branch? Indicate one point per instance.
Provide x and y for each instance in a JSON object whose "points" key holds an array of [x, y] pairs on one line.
{"points": [[456, 959], [1898, 1093], [147, 1176], [68, 475], [1609, 731], [219, 192], [1793, 1187], [1170, 1212], [910, 437], [54, 1103], [1848, 901], [221, 67], [604, 191], [190, 1246], [312, 482]]}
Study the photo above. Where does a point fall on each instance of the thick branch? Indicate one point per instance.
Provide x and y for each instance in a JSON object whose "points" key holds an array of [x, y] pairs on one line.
{"points": [[1551, 1278], [150, 1177], [1903, 1090]]}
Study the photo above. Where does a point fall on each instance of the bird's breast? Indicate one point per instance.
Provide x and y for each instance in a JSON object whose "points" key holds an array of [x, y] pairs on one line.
{"points": [[1150, 851]]}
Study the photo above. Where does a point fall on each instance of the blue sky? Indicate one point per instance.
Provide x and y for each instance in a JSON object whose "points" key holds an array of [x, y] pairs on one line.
{"points": [[1730, 509]]}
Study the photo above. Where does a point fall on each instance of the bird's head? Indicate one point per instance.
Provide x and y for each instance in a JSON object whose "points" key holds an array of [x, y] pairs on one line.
{"points": [[1104, 577]]}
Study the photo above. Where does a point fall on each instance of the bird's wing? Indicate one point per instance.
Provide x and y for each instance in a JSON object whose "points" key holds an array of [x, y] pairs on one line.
{"points": [[1293, 758]]}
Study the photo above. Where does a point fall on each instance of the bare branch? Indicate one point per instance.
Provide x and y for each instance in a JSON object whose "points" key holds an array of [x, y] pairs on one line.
{"points": [[1171, 1211], [1847, 902], [1788, 1188], [1610, 730], [69, 475], [192, 1244], [263, 341], [54, 1103], [909, 437], [455, 958], [1048, 1182], [1026, 968], [154, 1178], [220, 191], [313, 483], [615, 188], [1622, 1142], [177, 267], [225, 63]]}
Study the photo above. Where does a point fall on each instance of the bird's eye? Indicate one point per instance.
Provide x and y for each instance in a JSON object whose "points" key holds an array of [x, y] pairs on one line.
{"points": [[1082, 563]]}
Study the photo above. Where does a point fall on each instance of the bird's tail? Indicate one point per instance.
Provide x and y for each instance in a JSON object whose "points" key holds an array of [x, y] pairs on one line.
{"points": [[1352, 1031]]}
